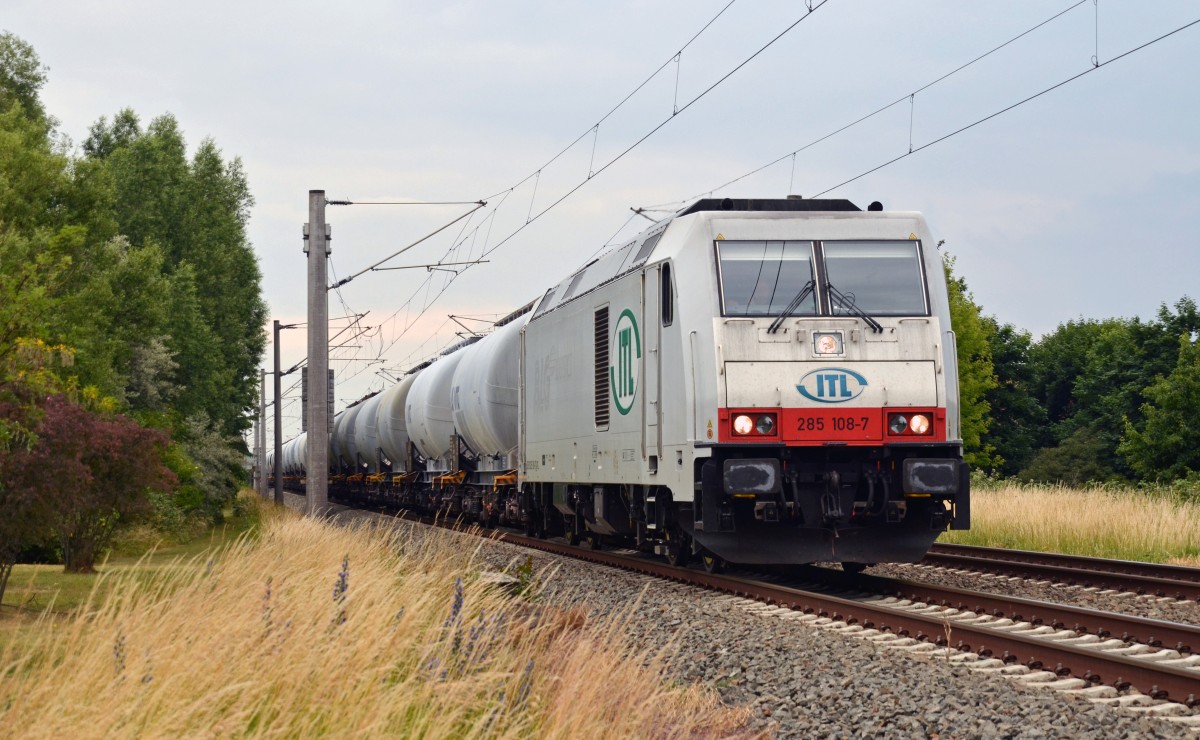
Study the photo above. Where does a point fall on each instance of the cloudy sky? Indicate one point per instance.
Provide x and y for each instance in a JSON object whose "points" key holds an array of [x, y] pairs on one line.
{"points": [[1082, 203]]}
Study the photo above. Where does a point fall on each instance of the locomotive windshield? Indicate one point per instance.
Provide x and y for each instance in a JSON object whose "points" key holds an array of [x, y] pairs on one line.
{"points": [[871, 278], [883, 278], [760, 278]]}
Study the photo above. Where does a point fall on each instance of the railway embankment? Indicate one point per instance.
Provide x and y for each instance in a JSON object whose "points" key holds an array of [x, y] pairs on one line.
{"points": [[312, 629], [803, 675]]}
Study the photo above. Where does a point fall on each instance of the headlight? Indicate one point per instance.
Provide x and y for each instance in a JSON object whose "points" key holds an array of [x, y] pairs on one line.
{"points": [[765, 424], [827, 344], [742, 424], [897, 424], [919, 424]]}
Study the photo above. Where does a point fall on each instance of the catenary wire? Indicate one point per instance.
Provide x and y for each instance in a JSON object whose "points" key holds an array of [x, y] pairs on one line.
{"points": [[1017, 104]]}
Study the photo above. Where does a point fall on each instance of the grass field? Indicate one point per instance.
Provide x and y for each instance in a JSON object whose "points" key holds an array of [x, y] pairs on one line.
{"points": [[34, 588], [311, 629], [1101, 521]]}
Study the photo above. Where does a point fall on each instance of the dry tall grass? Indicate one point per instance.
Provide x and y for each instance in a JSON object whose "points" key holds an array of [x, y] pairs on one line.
{"points": [[1100, 522], [320, 630]]}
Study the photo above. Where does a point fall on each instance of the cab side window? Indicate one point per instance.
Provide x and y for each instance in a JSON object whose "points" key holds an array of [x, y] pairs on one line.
{"points": [[667, 296]]}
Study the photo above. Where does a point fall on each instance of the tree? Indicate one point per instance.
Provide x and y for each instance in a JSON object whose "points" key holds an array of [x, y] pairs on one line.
{"points": [[98, 469], [1057, 361], [196, 211], [132, 261], [218, 467], [36, 257], [28, 517], [976, 375], [22, 75], [1093, 376], [1167, 447], [1018, 426], [1079, 459], [1064, 361]]}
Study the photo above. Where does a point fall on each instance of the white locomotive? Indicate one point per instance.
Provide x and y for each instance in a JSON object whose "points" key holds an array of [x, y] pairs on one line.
{"points": [[750, 381]]}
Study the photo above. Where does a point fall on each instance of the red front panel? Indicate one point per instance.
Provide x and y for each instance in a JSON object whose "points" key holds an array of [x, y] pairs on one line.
{"points": [[850, 426]]}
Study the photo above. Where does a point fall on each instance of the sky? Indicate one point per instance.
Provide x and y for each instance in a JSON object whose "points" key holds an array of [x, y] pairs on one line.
{"points": [[1084, 202]]}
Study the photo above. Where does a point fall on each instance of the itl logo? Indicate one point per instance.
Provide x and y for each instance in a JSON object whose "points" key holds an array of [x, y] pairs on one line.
{"points": [[832, 385], [626, 353]]}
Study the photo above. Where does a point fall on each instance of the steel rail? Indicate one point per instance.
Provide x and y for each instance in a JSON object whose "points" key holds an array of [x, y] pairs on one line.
{"points": [[1155, 633], [1094, 666], [1173, 581]]}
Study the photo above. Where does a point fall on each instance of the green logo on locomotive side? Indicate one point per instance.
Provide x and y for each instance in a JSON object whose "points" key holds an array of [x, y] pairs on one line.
{"points": [[626, 354]]}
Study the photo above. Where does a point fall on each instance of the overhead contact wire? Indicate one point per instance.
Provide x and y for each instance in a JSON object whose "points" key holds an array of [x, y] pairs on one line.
{"points": [[1017, 104], [882, 108]]}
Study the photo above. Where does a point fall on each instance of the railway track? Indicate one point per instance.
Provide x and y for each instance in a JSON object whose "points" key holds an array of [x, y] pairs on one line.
{"points": [[1093, 652], [1164, 581], [1078, 646]]}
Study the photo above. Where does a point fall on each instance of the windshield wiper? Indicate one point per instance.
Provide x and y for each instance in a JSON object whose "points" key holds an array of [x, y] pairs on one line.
{"points": [[846, 302], [805, 292]]}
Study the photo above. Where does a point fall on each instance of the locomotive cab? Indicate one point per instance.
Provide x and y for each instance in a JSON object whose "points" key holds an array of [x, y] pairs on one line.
{"points": [[835, 397]]}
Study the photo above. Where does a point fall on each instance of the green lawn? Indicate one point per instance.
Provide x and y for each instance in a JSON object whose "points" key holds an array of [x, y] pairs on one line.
{"points": [[32, 589]]}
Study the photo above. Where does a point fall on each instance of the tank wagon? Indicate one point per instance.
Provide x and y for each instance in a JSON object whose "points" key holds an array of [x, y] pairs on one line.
{"points": [[747, 381]]}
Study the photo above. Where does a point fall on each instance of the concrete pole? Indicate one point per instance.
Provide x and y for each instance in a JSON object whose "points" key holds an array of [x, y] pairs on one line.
{"points": [[278, 427], [317, 457], [260, 435], [256, 470]]}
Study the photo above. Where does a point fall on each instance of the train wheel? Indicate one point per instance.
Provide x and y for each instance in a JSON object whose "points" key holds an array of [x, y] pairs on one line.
{"points": [[678, 549], [712, 563], [593, 540]]}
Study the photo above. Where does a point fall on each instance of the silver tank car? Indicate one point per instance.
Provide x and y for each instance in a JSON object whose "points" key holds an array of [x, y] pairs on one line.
{"points": [[347, 448], [338, 421], [336, 457], [392, 427], [366, 435], [484, 396], [429, 415]]}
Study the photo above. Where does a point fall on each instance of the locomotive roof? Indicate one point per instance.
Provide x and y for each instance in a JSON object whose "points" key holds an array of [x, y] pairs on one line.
{"points": [[768, 204], [634, 253]]}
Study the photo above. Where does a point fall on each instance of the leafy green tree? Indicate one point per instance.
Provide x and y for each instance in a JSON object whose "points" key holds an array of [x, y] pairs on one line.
{"points": [[22, 76], [131, 260], [228, 280], [1081, 458], [1018, 428], [1093, 376], [1057, 361], [1167, 447], [114, 314], [1064, 363], [196, 211], [976, 375], [37, 253], [218, 467]]}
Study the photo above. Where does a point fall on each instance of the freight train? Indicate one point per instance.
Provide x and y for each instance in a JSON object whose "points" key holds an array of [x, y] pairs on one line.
{"points": [[767, 381]]}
